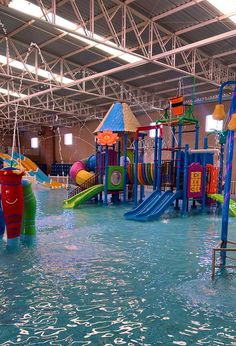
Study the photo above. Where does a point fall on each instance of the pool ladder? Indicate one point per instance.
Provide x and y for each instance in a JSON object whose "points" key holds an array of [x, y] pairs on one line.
{"points": [[216, 260]]}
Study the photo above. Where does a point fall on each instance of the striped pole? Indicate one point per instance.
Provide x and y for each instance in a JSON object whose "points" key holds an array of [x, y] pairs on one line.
{"points": [[185, 184], [155, 160], [228, 174]]}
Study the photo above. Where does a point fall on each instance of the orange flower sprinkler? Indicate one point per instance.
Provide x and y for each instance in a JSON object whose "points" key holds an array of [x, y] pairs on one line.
{"points": [[107, 137]]}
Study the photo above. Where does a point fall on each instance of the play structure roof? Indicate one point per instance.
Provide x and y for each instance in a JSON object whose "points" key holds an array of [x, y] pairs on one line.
{"points": [[119, 118]]}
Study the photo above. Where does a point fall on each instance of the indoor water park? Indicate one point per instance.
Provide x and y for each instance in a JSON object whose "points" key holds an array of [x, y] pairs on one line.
{"points": [[117, 172]]}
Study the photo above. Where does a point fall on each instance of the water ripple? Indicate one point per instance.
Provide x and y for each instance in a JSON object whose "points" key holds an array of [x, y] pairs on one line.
{"points": [[94, 279]]}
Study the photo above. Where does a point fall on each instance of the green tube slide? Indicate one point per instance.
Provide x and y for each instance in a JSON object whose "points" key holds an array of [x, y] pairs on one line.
{"points": [[82, 197], [28, 229], [220, 198]]}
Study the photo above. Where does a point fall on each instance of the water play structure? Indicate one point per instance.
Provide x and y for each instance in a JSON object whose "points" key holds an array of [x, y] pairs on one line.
{"points": [[31, 169], [187, 175], [18, 210], [189, 179], [107, 173]]}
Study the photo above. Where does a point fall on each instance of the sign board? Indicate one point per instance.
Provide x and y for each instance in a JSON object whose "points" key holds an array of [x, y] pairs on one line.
{"points": [[195, 180]]}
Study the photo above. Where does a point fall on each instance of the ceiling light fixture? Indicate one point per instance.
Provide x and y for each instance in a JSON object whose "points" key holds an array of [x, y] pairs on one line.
{"points": [[40, 72]]}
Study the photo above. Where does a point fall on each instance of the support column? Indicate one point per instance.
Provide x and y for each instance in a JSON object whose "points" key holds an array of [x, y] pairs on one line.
{"points": [[125, 167], [155, 161], [205, 146], [185, 184], [228, 177], [142, 162], [118, 154], [195, 155], [197, 137], [136, 173], [178, 163], [96, 156], [159, 164], [106, 176], [100, 172], [221, 168], [172, 155]]}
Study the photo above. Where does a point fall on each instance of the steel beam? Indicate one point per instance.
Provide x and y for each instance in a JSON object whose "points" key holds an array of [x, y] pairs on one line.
{"points": [[209, 70]]}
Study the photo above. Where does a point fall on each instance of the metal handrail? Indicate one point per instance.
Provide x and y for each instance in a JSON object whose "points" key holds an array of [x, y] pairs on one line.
{"points": [[218, 249], [88, 183]]}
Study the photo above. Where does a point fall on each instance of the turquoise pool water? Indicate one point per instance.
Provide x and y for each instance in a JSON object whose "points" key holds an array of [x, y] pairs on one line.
{"points": [[96, 279]]}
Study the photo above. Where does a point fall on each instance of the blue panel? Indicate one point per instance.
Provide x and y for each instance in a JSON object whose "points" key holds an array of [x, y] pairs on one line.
{"points": [[114, 120], [199, 158]]}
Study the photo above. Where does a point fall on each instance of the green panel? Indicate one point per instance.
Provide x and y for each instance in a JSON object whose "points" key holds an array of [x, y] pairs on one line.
{"points": [[115, 178]]}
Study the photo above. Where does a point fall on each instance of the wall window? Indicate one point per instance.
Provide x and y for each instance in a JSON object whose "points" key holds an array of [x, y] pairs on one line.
{"points": [[212, 124], [68, 139], [152, 133], [34, 142]]}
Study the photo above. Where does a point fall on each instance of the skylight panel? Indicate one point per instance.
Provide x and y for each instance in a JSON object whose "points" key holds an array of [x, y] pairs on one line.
{"points": [[26, 7], [225, 7], [35, 11], [64, 23], [11, 93]]}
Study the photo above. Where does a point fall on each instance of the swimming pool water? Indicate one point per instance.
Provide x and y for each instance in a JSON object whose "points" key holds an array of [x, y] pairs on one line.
{"points": [[96, 279]]}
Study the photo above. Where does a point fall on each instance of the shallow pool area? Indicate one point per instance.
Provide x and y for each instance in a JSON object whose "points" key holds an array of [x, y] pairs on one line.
{"points": [[94, 278]]}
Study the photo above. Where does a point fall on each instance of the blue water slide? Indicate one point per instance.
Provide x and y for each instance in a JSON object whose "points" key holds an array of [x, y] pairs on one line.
{"points": [[155, 207], [144, 206]]}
